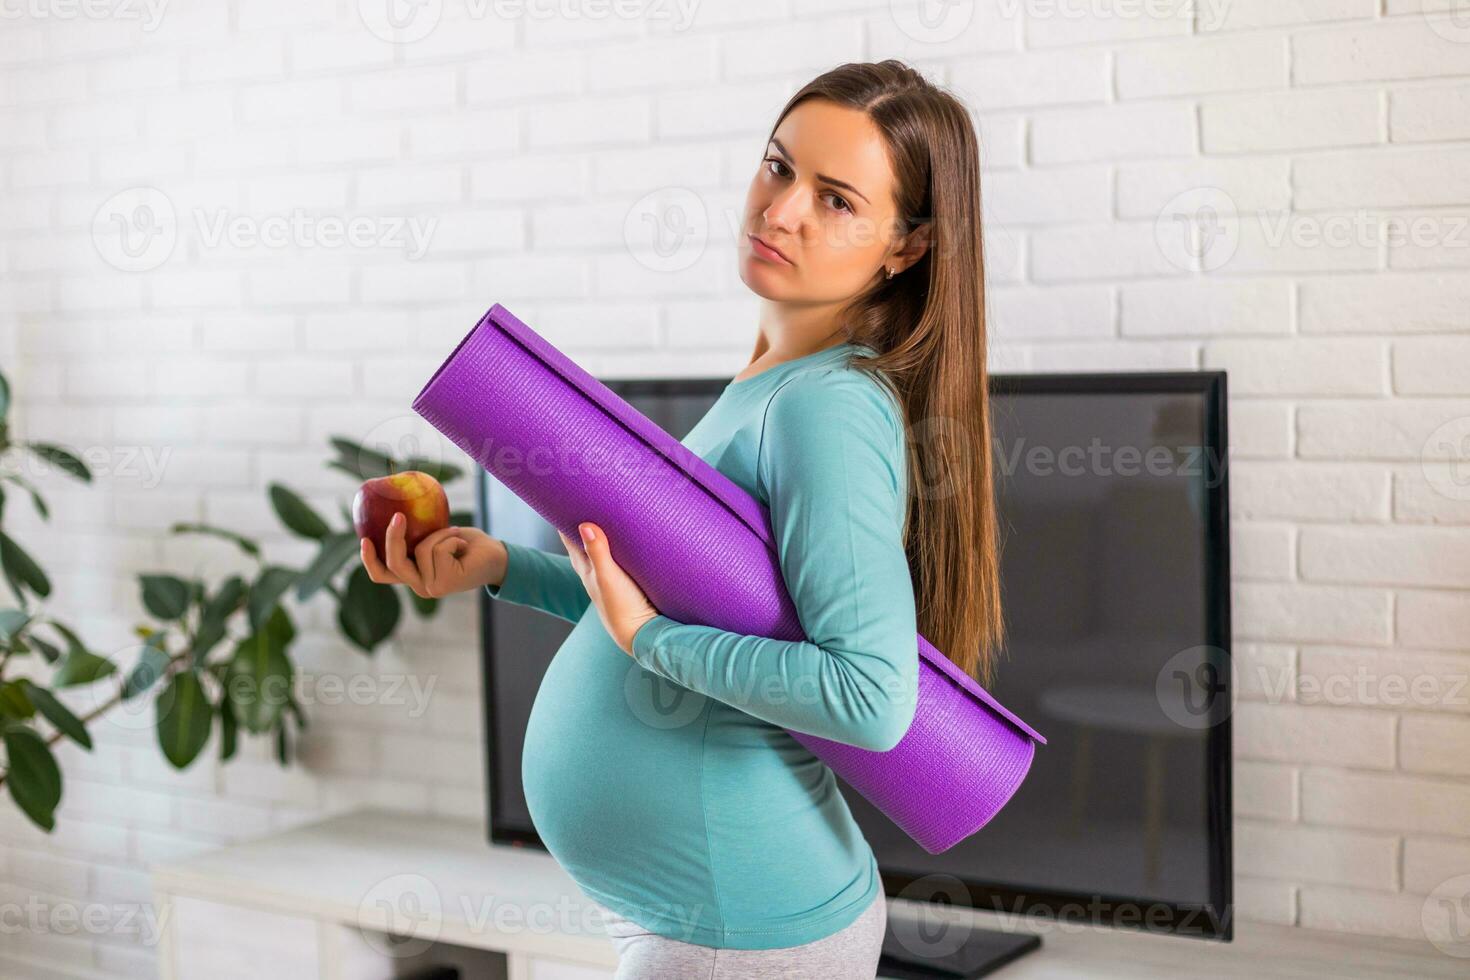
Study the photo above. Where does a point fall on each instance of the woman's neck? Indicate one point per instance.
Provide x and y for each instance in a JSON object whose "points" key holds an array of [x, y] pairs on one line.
{"points": [[785, 335]]}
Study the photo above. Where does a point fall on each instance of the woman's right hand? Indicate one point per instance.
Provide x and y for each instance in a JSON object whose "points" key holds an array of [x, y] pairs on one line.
{"points": [[453, 559]]}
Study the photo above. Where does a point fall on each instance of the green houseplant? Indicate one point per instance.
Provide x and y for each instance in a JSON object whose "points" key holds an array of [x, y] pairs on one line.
{"points": [[213, 653]]}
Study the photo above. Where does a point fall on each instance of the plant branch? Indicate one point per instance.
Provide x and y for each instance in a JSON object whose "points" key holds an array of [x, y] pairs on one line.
{"points": [[108, 705]]}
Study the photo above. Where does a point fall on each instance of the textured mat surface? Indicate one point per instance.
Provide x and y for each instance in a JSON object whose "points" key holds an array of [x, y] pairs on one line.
{"points": [[575, 451]]}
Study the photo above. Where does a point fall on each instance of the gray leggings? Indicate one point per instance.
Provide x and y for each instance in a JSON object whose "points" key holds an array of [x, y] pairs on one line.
{"points": [[851, 953]]}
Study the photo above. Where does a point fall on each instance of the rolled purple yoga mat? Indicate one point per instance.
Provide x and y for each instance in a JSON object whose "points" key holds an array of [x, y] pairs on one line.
{"points": [[574, 451]]}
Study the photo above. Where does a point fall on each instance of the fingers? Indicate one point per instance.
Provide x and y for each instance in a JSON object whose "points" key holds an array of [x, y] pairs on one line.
{"points": [[447, 567], [375, 568], [435, 559], [596, 548], [577, 555], [430, 571], [423, 556], [398, 561], [437, 536]]}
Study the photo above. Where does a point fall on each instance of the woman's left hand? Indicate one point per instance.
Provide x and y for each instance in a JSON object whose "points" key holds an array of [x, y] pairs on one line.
{"points": [[620, 602]]}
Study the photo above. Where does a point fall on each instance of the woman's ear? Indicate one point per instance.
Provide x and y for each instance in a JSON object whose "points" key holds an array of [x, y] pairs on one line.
{"points": [[913, 246]]}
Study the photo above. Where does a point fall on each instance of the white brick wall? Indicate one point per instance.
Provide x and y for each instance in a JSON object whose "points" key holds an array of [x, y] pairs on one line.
{"points": [[525, 144]]}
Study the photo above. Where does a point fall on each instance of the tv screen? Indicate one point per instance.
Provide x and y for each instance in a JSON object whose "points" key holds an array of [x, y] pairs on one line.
{"points": [[1112, 500]]}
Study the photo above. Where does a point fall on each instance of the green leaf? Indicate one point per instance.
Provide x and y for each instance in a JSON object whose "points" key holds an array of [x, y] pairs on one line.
{"points": [[188, 527], [36, 499], [51, 652], [62, 459], [13, 701], [58, 714], [424, 606], [265, 594], [33, 777], [297, 514], [21, 568], [4, 396], [166, 596], [72, 639], [283, 749], [73, 642], [297, 713], [361, 462], [17, 589], [369, 611], [336, 550], [259, 680], [228, 728], [152, 664], [81, 666], [184, 718], [217, 611], [280, 627], [12, 621]]}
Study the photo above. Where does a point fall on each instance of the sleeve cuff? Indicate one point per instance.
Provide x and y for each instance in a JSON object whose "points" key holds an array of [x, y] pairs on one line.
{"points": [[645, 639], [506, 588]]}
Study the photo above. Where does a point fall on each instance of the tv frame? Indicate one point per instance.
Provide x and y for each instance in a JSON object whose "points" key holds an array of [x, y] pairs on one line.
{"points": [[1211, 920]]}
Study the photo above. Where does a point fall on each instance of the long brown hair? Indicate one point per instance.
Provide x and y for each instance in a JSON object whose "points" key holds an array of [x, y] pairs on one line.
{"points": [[927, 325]]}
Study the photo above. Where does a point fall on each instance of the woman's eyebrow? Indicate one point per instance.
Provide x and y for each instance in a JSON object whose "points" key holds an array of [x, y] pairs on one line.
{"points": [[824, 177]]}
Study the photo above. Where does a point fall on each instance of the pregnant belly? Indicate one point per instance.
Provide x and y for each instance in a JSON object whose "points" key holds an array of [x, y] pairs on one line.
{"points": [[611, 771], [650, 794]]}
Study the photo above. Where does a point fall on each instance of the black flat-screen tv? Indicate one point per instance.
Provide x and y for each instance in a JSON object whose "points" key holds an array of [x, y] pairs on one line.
{"points": [[1112, 495]]}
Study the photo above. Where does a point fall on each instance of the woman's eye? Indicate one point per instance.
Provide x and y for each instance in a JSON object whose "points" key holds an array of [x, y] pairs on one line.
{"points": [[772, 163], [842, 205]]}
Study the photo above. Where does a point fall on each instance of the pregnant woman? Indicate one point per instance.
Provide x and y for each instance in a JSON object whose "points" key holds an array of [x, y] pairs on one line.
{"points": [[657, 767]]}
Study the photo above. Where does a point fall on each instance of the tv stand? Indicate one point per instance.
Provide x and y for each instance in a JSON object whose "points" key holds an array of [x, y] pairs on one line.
{"points": [[331, 900], [982, 952]]}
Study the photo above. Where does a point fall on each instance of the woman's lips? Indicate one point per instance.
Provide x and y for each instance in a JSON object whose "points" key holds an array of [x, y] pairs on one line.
{"points": [[767, 252]]}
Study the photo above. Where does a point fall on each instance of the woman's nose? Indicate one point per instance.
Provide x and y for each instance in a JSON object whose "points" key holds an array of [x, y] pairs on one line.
{"points": [[785, 209]]}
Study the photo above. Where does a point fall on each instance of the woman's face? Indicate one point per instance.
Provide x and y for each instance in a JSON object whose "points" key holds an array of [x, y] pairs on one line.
{"points": [[823, 198]]}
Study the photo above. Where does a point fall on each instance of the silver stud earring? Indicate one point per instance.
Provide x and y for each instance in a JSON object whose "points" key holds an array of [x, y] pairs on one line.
{"points": [[890, 273]]}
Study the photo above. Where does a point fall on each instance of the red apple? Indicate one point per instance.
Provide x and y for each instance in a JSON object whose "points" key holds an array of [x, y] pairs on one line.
{"points": [[416, 495]]}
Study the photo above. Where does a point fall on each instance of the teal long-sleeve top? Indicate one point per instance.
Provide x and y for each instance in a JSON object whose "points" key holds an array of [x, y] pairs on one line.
{"points": [[667, 784]]}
